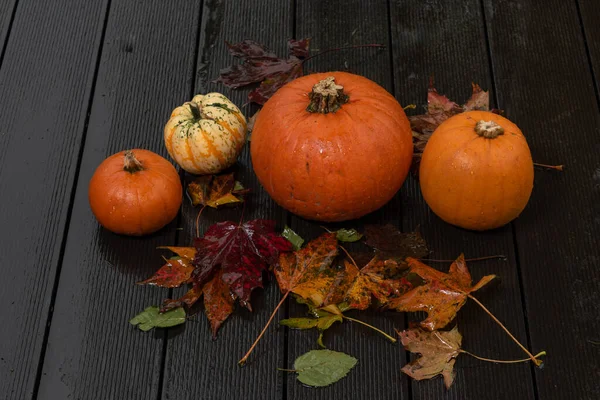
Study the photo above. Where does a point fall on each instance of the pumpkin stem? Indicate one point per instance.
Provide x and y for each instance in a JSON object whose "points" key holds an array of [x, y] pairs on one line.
{"points": [[132, 164], [488, 129], [326, 97], [195, 109]]}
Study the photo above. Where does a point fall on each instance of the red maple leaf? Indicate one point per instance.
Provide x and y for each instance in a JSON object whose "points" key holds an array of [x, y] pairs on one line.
{"points": [[242, 252]]}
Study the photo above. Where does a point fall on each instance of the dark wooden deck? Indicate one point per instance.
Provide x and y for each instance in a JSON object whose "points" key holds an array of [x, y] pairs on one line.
{"points": [[80, 80]]}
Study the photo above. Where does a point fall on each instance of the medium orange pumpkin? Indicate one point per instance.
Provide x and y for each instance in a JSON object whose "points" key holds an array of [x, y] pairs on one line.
{"points": [[331, 146], [476, 171], [135, 192]]}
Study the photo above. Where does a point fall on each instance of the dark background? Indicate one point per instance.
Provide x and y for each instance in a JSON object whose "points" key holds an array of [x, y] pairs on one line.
{"points": [[80, 80]]}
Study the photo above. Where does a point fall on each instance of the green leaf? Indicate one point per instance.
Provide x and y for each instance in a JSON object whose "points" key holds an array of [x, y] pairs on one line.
{"points": [[152, 318], [292, 237], [323, 322], [348, 235], [238, 186], [299, 323], [323, 367]]}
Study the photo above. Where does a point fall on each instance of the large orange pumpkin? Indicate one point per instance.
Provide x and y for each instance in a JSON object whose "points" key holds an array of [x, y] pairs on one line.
{"points": [[476, 171], [331, 146], [135, 192]]}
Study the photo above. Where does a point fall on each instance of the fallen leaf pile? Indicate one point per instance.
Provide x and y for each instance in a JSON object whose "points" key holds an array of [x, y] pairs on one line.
{"points": [[230, 260], [329, 287], [227, 263]]}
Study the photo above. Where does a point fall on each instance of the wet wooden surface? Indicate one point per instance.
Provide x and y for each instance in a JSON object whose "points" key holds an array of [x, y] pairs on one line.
{"points": [[82, 80]]}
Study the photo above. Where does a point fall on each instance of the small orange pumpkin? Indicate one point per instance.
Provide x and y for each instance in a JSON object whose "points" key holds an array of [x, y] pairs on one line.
{"points": [[476, 171], [332, 146], [135, 192]]}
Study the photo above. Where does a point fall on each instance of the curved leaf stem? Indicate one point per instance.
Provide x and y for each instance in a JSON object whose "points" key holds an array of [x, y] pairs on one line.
{"points": [[391, 339], [198, 221], [531, 356], [468, 259], [538, 355], [349, 256], [287, 370], [245, 358]]}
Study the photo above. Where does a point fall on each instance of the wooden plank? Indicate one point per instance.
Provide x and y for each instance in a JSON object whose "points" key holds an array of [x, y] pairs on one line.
{"points": [[196, 365], [448, 42], [590, 14], [93, 353], [45, 84], [377, 374], [7, 10], [544, 83]]}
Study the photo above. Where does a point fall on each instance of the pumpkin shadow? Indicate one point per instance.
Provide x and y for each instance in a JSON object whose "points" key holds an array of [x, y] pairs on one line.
{"points": [[134, 256]]}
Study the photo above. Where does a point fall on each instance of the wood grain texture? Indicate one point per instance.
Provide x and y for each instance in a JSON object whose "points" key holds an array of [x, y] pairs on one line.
{"points": [[198, 367], [590, 15], [7, 10], [377, 374], [45, 83], [448, 42], [544, 83], [93, 352]]}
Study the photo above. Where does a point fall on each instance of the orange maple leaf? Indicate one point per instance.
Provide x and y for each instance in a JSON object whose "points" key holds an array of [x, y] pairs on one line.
{"points": [[307, 272], [442, 295]]}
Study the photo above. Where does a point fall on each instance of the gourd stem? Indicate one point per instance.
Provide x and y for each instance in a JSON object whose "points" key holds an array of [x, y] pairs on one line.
{"points": [[326, 97], [131, 164], [195, 109], [488, 129]]}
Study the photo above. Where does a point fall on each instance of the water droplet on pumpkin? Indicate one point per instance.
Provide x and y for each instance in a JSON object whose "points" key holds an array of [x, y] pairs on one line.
{"points": [[472, 172]]}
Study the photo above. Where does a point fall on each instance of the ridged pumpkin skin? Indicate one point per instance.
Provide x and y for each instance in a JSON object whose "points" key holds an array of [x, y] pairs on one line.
{"points": [[137, 202], [206, 135], [472, 181], [335, 166]]}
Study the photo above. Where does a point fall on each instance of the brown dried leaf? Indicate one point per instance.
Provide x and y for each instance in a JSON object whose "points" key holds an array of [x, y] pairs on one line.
{"points": [[438, 350], [261, 65], [439, 109], [390, 243]]}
